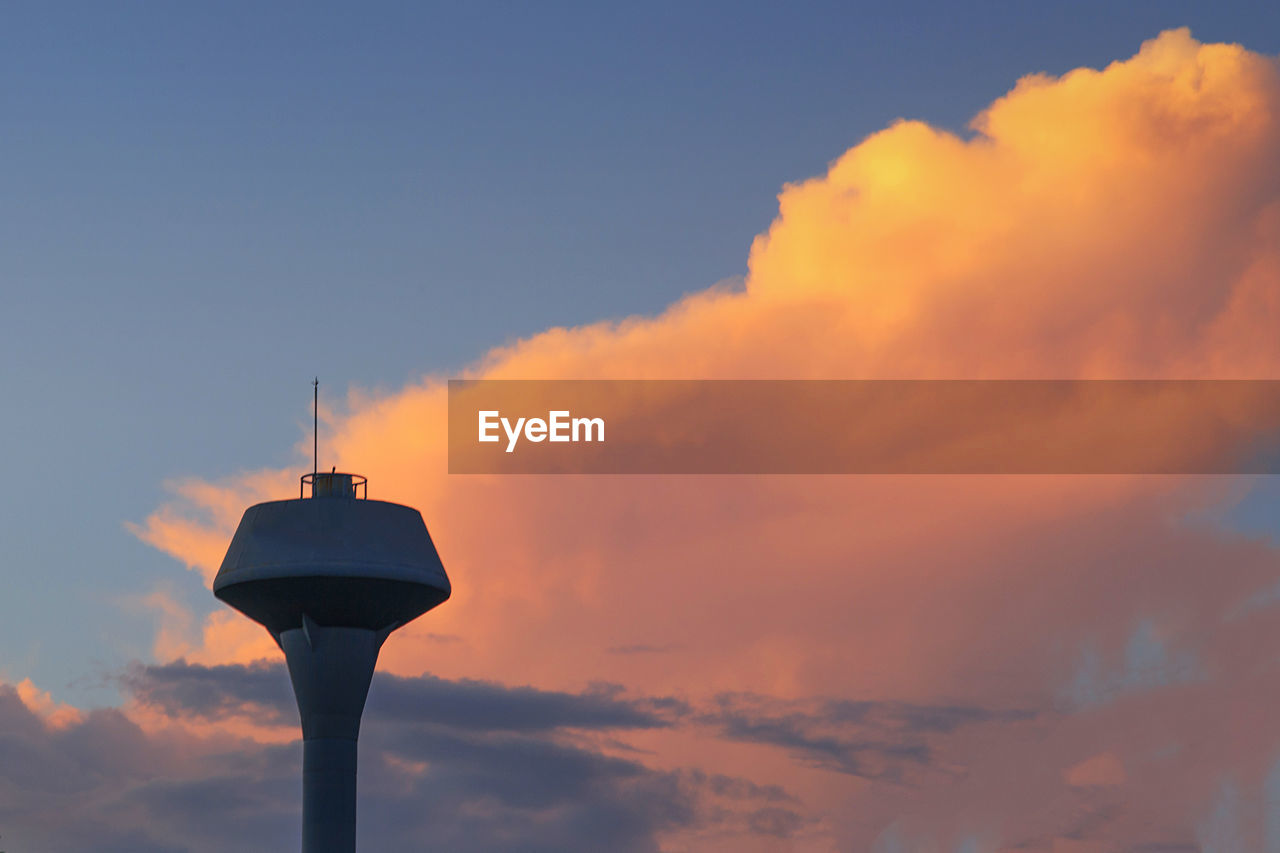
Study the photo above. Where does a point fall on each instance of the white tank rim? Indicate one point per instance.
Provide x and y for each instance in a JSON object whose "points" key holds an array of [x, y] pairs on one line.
{"points": [[332, 569]]}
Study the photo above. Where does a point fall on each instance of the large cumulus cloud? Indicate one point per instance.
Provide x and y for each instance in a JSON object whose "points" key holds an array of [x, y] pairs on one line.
{"points": [[1122, 222]]}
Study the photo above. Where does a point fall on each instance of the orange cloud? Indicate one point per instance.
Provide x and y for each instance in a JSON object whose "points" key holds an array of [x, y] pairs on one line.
{"points": [[56, 715], [1122, 222]]}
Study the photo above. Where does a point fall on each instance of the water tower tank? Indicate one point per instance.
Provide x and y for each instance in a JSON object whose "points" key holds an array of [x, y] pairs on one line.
{"points": [[330, 576]]}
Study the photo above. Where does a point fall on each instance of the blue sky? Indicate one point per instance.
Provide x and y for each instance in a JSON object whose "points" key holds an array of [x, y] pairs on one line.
{"points": [[204, 205]]}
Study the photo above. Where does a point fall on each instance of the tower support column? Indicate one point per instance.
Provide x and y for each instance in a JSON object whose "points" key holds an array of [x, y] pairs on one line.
{"points": [[330, 669], [328, 795]]}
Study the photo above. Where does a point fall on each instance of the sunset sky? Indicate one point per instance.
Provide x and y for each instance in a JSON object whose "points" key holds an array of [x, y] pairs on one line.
{"points": [[204, 206]]}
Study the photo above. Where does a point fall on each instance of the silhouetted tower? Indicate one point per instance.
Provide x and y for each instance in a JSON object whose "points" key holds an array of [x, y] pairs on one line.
{"points": [[330, 576]]}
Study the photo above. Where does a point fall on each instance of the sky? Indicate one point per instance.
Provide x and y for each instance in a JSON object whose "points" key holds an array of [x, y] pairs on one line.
{"points": [[204, 206]]}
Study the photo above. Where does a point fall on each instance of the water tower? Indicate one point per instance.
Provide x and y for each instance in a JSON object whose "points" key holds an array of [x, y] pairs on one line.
{"points": [[330, 576]]}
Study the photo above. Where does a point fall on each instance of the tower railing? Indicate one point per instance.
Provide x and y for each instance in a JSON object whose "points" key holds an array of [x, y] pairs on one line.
{"points": [[332, 484]]}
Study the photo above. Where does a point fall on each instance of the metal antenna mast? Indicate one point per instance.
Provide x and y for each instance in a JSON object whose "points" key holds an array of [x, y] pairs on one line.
{"points": [[315, 425]]}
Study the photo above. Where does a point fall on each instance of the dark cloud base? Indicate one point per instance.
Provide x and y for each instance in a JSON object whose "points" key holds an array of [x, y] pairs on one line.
{"points": [[467, 766]]}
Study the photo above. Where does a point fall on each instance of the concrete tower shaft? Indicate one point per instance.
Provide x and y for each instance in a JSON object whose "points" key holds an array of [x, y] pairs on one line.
{"points": [[330, 577]]}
